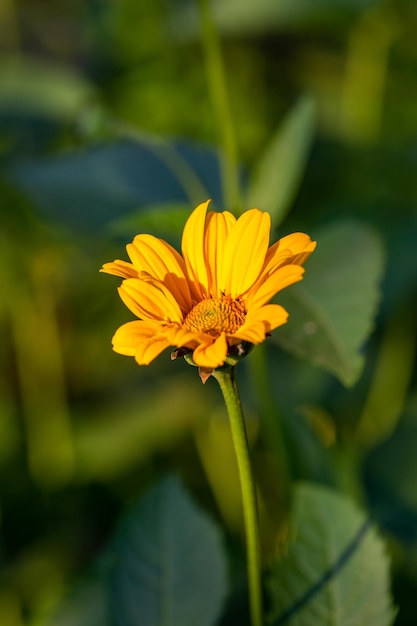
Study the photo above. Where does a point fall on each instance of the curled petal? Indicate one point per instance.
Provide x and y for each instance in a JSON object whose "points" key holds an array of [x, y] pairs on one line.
{"points": [[292, 249], [181, 337], [211, 354], [141, 339], [161, 261], [150, 349], [120, 268], [150, 300]]}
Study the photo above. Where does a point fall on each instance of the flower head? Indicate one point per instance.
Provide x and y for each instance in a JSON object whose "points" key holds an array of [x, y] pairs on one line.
{"points": [[215, 296]]}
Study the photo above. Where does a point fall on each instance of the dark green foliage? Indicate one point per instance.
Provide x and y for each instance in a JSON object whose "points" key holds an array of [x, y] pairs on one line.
{"points": [[106, 130]]}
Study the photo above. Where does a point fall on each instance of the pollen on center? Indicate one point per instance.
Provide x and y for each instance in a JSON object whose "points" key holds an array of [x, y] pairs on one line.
{"points": [[216, 315]]}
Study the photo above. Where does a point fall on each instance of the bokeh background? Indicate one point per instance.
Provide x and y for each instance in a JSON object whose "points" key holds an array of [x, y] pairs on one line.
{"points": [[107, 129]]}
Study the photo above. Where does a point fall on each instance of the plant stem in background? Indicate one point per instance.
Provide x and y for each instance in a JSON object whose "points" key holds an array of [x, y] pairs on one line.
{"points": [[218, 91], [270, 424], [9, 28], [366, 75], [227, 381]]}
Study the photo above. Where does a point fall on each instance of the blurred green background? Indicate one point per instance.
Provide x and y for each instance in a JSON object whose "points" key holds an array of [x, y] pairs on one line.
{"points": [[107, 129]]}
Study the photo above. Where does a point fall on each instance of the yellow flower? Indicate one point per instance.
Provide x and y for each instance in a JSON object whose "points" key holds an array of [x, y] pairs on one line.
{"points": [[213, 297]]}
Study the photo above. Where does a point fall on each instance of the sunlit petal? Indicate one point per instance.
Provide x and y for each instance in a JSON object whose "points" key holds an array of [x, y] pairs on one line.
{"points": [[161, 261], [120, 268], [254, 333], [244, 253], [261, 322], [283, 277], [211, 354], [180, 337], [292, 249], [271, 315], [150, 300], [150, 349], [142, 339], [218, 227], [193, 251]]}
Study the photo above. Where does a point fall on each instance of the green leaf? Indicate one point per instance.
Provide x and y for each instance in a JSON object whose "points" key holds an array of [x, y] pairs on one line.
{"points": [[335, 572], [89, 188], [332, 310], [29, 86], [279, 171], [168, 568], [162, 219]]}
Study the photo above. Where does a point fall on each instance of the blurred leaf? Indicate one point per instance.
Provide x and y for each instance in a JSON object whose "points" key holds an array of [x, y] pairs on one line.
{"points": [[335, 572], [391, 378], [390, 473], [167, 219], [332, 311], [308, 457], [280, 169], [131, 432], [36, 87], [218, 458], [89, 188], [168, 563], [87, 605], [264, 16], [401, 236]]}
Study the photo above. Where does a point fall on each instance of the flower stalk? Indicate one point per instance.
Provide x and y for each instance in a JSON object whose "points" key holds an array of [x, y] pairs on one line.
{"points": [[226, 377], [217, 84]]}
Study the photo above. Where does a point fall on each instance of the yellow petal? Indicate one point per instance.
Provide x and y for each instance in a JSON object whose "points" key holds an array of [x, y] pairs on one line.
{"points": [[275, 257], [144, 340], [161, 261], [211, 354], [182, 337], [275, 282], [150, 300], [193, 251], [218, 226], [297, 242], [245, 252], [271, 315], [150, 349], [261, 322], [120, 268], [293, 249], [254, 333]]}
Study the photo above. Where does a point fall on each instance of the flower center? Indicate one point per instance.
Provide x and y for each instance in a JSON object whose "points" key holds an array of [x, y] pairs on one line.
{"points": [[216, 315]]}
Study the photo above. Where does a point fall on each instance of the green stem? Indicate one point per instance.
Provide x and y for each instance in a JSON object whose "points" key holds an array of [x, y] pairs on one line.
{"points": [[227, 381], [218, 91]]}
